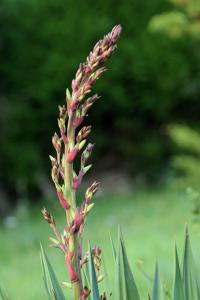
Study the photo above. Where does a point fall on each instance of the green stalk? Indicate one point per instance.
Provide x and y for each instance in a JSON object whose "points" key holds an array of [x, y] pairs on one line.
{"points": [[70, 194]]}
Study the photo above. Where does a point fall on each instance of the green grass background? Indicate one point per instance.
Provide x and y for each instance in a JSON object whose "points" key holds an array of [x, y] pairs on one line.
{"points": [[151, 222]]}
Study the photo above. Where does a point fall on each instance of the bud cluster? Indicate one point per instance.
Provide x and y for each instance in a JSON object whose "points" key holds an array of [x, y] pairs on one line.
{"points": [[68, 144]]}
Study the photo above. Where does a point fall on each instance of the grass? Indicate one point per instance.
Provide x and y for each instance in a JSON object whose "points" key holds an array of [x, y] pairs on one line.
{"points": [[151, 221]]}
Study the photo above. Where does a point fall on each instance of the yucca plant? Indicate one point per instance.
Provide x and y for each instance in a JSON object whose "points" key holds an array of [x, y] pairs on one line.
{"points": [[85, 269], [70, 142], [186, 285]]}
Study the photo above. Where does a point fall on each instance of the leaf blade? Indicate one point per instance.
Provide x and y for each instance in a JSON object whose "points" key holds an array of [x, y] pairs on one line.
{"points": [[52, 285]]}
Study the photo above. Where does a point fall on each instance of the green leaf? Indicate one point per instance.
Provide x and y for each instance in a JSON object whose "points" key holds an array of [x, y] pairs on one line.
{"points": [[3, 295], [85, 279], [190, 279], [156, 293], [113, 247], [125, 287], [93, 278], [106, 282], [178, 283], [52, 285]]}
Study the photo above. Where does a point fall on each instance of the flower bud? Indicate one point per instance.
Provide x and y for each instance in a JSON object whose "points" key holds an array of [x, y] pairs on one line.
{"points": [[72, 154], [61, 125], [68, 95], [63, 202], [77, 222], [88, 103], [62, 112], [86, 154], [49, 218], [56, 142], [91, 191], [83, 133], [53, 160], [77, 122], [72, 275], [77, 181], [82, 144], [55, 242], [54, 174], [73, 106]]}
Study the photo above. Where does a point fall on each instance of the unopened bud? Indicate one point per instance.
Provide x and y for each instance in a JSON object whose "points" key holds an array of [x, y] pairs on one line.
{"points": [[67, 284], [72, 154], [88, 103], [98, 73], [77, 222], [72, 275], [77, 181], [55, 242], [89, 207], [56, 142], [96, 251], [83, 133], [86, 154], [86, 169], [82, 144], [53, 160], [54, 174], [62, 112], [61, 125], [99, 279], [91, 191], [63, 202], [77, 122], [115, 33], [49, 218], [68, 95], [73, 106]]}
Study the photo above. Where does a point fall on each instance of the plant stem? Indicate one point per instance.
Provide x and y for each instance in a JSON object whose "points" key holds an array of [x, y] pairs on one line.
{"points": [[70, 194]]}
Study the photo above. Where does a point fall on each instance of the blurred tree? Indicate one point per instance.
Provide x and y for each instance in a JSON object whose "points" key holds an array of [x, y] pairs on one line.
{"points": [[184, 20], [186, 163], [186, 159], [183, 23], [153, 79]]}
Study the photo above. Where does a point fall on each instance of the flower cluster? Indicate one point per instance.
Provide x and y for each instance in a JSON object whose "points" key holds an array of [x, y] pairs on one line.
{"points": [[68, 143]]}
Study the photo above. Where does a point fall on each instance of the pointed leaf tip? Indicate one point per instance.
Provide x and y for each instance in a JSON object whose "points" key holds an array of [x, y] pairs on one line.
{"points": [[51, 283]]}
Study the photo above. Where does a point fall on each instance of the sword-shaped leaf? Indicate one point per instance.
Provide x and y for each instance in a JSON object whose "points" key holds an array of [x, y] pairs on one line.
{"points": [[178, 283], [125, 287], [113, 247], [190, 279], [106, 281], [52, 285], [85, 279], [156, 293], [3, 295], [93, 278]]}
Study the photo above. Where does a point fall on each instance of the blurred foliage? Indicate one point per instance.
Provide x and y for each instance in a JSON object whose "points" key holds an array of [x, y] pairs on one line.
{"points": [[153, 80], [186, 161], [194, 197], [184, 20]]}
